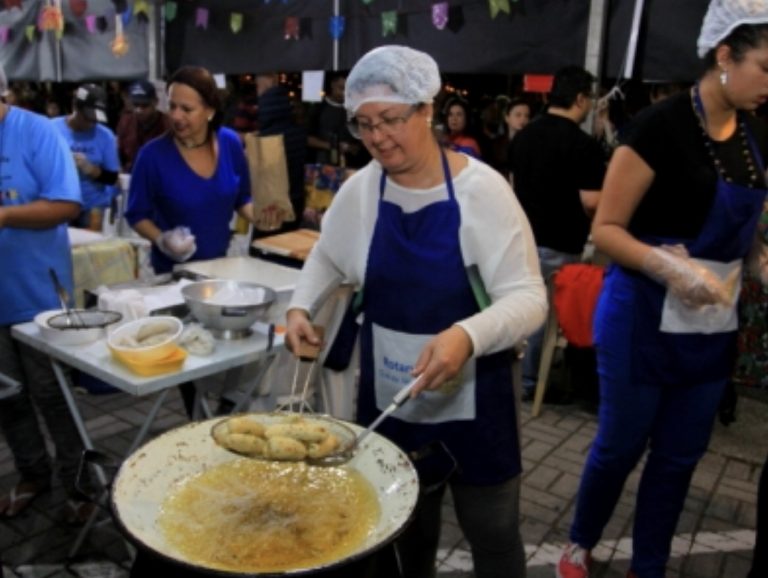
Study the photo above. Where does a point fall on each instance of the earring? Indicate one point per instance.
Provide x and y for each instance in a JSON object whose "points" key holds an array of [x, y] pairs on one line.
{"points": [[723, 75], [210, 118], [429, 122]]}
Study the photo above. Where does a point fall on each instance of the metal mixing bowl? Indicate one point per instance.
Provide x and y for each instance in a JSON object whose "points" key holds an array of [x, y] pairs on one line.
{"points": [[228, 308]]}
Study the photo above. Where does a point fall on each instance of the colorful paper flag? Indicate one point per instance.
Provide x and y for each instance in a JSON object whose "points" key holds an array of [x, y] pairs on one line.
{"points": [[171, 8], [336, 26], [90, 23], [236, 22], [141, 7], [389, 23], [13, 4], [78, 7], [291, 28], [127, 16], [440, 15], [498, 6], [201, 18], [29, 32], [5, 34]]}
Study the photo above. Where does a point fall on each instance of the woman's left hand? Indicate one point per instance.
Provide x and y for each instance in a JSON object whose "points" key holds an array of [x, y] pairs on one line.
{"points": [[442, 359]]}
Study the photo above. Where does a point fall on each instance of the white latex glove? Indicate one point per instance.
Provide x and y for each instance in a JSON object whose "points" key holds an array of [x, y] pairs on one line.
{"points": [[695, 285], [177, 244], [86, 167]]}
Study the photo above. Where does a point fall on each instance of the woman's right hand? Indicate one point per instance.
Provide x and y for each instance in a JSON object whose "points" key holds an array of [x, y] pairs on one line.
{"points": [[692, 283], [299, 328]]}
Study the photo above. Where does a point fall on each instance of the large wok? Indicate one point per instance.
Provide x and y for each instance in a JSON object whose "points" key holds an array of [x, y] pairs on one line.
{"points": [[145, 478]]}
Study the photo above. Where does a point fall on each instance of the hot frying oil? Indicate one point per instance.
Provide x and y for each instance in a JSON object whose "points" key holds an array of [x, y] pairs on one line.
{"points": [[253, 516]]}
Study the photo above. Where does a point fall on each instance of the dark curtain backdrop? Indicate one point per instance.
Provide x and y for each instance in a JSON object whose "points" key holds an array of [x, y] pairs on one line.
{"points": [[260, 46], [538, 36], [667, 41]]}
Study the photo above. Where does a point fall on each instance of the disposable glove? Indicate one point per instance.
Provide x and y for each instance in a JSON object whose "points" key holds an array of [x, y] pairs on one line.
{"points": [[692, 283], [178, 244]]}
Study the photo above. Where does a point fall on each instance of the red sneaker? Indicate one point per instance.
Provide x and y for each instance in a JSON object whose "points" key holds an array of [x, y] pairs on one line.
{"points": [[574, 562]]}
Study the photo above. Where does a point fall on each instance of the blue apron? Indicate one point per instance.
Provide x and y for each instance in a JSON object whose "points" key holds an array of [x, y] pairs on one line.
{"points": [[632, 301], [416, 286]]}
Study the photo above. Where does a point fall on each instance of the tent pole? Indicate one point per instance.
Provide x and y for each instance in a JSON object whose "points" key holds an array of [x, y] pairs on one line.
{"points": [[598, 16], [335, 39]]}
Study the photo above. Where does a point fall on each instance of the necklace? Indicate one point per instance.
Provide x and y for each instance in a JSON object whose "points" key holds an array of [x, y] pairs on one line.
{"points": [[709, 145], [193, 145]]}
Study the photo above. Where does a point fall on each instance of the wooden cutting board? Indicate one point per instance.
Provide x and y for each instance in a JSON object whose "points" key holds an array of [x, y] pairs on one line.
{"points": [[296, 244]]}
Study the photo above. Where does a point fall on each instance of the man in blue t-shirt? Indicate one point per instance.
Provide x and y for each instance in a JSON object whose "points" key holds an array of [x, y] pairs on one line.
{"points": [[94, 148], [39, 195]]}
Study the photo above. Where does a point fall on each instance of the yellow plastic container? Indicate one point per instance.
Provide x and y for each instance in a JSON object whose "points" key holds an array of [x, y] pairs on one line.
{"points": [[173, 362]]}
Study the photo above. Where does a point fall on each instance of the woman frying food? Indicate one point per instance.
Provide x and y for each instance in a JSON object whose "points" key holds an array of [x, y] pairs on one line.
{"points": [[451, 282]]}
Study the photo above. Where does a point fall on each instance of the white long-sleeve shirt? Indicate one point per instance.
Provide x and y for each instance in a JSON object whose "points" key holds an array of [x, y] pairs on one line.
{"points": [[494, 235]]}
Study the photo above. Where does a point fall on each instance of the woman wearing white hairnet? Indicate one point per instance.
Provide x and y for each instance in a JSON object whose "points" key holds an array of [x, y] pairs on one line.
{"points": [[423, 231], [678, 213]]}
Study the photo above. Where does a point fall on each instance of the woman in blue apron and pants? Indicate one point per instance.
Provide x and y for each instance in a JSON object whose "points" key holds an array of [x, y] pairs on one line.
{"points": [[430, 235], [678, 213]]}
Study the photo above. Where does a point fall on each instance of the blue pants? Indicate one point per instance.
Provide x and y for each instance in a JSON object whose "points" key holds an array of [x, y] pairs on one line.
{"points": [[675, 424]]}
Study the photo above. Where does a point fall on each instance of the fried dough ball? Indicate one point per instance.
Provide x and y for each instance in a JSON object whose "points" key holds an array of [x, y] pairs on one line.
{"points": [[285, 448]]}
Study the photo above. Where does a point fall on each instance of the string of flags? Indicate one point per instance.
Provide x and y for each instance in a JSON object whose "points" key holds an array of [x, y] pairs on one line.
{"points": [[53, 18]]}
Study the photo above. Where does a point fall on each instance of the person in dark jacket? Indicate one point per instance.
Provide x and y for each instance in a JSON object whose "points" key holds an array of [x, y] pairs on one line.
{"points": [[276, 117]]}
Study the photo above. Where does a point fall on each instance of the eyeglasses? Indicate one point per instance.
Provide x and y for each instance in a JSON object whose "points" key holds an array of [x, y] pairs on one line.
{"points": [[387, 126]]}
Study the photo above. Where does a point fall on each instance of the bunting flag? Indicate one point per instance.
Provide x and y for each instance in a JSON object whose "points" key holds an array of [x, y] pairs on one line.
{"points": [[5, 34], [90, 23], [29, 32], [389, 23], [336, 26], [498, 6], [13, 4], [291, 28], [120, 5], [51, 18], [102, 23], [440, 15], [78, 7], [141, 7], [120, 44], [127, 16], [201, 18], [236, 22], [171, 8], [455, 18]]}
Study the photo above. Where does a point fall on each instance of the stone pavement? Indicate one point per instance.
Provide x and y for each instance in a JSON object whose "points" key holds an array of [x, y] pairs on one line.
{"points": [[714, 538]]}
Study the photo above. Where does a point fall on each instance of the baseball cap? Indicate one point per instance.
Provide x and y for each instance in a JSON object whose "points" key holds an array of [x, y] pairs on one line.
{"points": [[142, 92], [91, 100]]}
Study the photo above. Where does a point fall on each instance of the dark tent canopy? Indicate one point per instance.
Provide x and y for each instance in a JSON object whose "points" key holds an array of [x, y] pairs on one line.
{"points": [[536, 36]]}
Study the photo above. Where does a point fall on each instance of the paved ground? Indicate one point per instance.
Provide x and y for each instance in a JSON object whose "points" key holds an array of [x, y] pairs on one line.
{"points": [[714, 538]]}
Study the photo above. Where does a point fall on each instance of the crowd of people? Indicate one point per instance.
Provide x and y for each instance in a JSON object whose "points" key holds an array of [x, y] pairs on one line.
{"points": [[451, 221]]}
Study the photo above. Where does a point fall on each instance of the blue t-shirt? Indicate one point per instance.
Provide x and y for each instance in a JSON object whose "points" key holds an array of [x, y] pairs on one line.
{"points": [[35, 164], [99, 146], [165, 190]]}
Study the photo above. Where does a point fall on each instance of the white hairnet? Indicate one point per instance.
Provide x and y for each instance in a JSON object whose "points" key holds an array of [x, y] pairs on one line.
{"points": [[723, 16], [392, 74]]}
